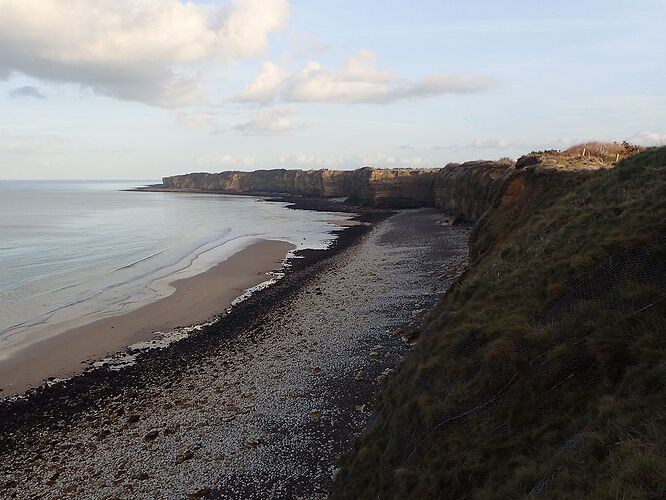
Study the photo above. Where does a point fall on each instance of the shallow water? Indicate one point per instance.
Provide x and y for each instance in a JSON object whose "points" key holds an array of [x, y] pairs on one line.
{"points": [[73, 250]]}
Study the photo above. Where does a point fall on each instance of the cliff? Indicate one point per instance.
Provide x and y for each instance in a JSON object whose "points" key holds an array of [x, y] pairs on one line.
{"points": [[465, 190], [541, 373], [469, 189], [393, 188], [461, 189], [327, 183]]}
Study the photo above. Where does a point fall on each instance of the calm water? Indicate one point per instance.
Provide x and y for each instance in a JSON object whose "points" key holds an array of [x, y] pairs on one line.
{"points": [[72, 250]]}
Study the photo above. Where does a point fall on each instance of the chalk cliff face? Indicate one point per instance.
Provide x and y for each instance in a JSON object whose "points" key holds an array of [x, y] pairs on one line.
{"points": [[394, 188], [467, 189], [328, 183]]}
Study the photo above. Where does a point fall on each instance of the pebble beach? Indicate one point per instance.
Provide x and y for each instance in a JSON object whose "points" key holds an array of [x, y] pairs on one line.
{"points": [[257, 406]]}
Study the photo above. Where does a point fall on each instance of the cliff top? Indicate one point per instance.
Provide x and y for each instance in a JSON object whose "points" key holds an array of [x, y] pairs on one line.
{"points": [[586, 156]]}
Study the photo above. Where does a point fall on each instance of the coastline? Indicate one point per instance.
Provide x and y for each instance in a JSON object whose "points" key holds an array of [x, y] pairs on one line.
{"points": [[196, 299], [269, 389]]}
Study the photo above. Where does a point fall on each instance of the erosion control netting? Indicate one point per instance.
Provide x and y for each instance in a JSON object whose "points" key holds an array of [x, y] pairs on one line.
{"points": [[608, 292]]}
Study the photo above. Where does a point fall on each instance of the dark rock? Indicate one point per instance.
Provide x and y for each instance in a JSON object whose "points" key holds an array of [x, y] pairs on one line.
{"points": [[185, 456], [202, 493], [151, 436], [527, 161]]}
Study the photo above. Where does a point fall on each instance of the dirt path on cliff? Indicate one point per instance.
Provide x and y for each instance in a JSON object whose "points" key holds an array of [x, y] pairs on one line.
{"points": [[266, 415]]}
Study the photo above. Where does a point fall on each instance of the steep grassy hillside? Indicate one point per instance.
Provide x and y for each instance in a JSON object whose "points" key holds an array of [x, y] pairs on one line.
{"points": [[543, 373]]}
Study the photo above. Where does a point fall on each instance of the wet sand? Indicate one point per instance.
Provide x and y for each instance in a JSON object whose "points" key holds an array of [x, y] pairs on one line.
{"points": [[196, 299]]}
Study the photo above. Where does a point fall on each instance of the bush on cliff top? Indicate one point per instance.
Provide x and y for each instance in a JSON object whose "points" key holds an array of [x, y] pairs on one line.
{"points": [[542, 374]]}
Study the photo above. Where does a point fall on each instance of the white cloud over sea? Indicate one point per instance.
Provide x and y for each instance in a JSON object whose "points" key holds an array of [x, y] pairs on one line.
{"points": [[138, 50]]}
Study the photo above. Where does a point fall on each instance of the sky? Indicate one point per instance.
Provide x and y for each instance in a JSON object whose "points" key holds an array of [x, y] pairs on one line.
{"points": [[140, 89]]}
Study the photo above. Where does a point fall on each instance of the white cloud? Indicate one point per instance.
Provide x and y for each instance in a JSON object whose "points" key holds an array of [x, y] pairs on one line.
{"points": [[271, 121], [313, 160], [226, 161], [379, 160], [266, 87], [304, 44], [386, 160], [648, 139], [132, 49], [360, 80]]}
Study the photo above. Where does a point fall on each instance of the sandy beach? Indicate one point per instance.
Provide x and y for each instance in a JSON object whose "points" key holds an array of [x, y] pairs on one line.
{"points": [[258, 405], [195, 300]]}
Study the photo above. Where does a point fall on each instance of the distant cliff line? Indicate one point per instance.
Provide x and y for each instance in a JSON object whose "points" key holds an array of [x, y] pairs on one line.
{"points": [[466, 189]]}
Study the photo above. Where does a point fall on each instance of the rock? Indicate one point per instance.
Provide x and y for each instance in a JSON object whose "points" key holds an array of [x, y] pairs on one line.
{"points": [[373, 355], [315, 415], [360, 376], [410, 334], [528, 161], [383, 376], [151, 436], [10, 485], [132, 419], [202, 493], [232, 408], [141, 476], [185, 456]]}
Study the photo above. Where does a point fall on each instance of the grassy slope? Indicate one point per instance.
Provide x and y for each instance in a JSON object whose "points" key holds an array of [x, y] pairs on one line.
{"points": [[544, 372]]}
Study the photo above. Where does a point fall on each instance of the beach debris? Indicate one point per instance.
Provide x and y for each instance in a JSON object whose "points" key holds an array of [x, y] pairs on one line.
{"points": [[360, 376], [410, 334], [151, 436], [133, 419], [202, 493], [142, 476], [383, 376], [315, 415], [373, 355], [252, 443], [184, 456]]}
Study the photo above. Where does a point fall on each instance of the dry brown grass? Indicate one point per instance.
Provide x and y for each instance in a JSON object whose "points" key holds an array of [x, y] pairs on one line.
{"points": [[589, 155]]}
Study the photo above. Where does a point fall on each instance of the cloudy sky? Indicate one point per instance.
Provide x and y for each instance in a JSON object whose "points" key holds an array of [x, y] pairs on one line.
{"points": [[138, 89]]}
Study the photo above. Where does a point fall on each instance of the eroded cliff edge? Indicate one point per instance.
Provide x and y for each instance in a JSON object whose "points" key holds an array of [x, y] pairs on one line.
{"points": [[465, 189], [462, 189]]}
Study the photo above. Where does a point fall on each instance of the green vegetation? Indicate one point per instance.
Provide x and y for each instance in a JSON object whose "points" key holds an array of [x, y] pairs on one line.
{"points": [[543, 373]]}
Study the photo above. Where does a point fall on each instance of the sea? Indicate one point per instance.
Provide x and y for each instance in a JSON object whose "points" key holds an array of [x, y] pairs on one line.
{"points": [[83, 250]]}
